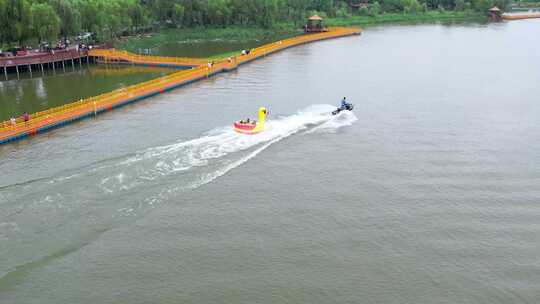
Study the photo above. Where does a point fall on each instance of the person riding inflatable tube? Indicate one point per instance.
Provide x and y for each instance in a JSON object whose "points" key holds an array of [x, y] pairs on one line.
{"points": [[248, 127]]}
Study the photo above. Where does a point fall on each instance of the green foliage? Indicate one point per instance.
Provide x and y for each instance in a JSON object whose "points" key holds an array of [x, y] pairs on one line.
{"points": [[375, 9], [363, 11], [393, 5], [112, 18], [69, 16], [429, 16], [482, 5], [341, 10], [178, 13], [45, 22], [460, 5], [411, 7], [15, 21], [236, 33], [502, 4]]}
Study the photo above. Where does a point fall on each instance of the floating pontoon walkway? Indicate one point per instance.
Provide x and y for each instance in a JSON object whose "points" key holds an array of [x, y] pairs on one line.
{"points": [[518, 16], [43, 121], [112, 56]]}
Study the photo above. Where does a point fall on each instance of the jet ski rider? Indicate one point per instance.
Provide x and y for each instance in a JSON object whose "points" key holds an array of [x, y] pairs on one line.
{"points": [[344, 103]]}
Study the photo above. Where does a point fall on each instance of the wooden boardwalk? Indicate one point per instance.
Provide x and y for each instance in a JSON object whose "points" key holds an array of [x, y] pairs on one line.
{"points": [[43, 121], [42, 57], [40, 60]]}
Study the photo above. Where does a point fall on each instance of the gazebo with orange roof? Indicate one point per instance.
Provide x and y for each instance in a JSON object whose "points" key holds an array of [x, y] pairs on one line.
{"points": [[495, 13], [315, 24]]}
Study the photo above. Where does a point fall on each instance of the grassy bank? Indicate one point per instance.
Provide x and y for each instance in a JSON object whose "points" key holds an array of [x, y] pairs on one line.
{"points": [[234, 33], [431, 16], [282, 31]]}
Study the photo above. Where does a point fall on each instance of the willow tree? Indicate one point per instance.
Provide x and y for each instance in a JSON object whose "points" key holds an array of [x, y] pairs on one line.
{"points": [[69, 17], [15, 21], [45, 22]]}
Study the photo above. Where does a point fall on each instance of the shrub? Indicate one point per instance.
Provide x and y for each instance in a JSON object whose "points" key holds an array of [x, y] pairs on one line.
{"points": [[363, 11], [460, 5], [342, 12], [482, 5], [375, 9], [411, 7]]}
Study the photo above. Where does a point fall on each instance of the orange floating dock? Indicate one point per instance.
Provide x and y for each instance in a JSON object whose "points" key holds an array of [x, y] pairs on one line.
{"points": [[518, 16], [112, 55], [55, 117]]}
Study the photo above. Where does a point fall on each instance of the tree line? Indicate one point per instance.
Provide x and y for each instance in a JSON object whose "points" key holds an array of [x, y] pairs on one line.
{"points": [[25, 20]]}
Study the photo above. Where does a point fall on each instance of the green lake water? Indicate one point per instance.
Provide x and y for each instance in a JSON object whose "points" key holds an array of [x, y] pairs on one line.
{"points": [[40, 92], [202, 48]]}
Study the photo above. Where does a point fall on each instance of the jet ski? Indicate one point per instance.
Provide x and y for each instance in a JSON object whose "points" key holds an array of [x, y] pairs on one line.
{"points": [[348, 107]]}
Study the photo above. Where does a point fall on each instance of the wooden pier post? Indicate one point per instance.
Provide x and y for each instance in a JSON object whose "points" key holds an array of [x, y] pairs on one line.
{"points": [[72, 64], [5, 72], [17, 68], [42, 74], [30, 69], [54, 67], [63, 65]]}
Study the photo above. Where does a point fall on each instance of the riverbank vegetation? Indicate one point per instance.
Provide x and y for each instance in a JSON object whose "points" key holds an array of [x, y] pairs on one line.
{"points": [[429, 16], [22, 21], [152, 41], [526, 4], [136, 43]]}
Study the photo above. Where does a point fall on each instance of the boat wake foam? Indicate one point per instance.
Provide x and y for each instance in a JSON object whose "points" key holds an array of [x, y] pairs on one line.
{"points": [[186, 164], [218, 146], [192, 163]]}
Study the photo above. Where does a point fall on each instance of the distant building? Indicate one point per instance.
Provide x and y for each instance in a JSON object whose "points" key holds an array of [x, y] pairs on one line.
{"points": [[315, 24]]}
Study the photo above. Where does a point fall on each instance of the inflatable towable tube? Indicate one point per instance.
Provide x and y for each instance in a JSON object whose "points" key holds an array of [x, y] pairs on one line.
{"points": [[252, 127]]}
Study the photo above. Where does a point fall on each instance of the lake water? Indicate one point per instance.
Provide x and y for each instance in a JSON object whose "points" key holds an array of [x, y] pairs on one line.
{"points": [[38, 92], [428, 192]]}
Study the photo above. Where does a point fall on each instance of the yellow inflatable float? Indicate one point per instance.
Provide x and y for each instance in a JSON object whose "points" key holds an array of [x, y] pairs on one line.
{"points": [[251, 126]]}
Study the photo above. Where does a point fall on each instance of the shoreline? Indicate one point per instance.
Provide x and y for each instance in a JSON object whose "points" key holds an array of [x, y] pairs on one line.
{"points": [[408, 19], [282, 31]]}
